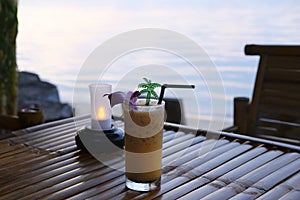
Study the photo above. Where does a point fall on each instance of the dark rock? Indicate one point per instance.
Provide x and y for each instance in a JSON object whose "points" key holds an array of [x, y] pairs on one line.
{"points": [[54, 111], [34, 91], [27, 77]]}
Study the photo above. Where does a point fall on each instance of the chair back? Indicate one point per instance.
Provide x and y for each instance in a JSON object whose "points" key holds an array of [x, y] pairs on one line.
{"points": [[274, 110]]}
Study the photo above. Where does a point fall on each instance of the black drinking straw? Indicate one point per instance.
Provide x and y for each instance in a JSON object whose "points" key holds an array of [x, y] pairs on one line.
{"points": [[164, 86]]}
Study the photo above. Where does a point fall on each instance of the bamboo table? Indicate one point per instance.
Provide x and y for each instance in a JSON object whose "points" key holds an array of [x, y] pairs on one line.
{"points": [[43, 162]]}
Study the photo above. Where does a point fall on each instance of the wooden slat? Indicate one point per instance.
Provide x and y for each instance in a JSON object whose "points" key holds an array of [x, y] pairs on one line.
{"points": [[42, 131], [90, 168], [176, 168], [288, 136], [294, 194], [278, 113], [19, 158], [238, 186], [37, 164], [51, 135], [282, 87], [283, 103], [114, 186], [282, 75], [188, 147], [12, 150], [283, 94], [6, 146], [269, 182], [278, 128], [232, 175], [79, 182], [233, 136], [59, 140], [36, 180], [278, 125], [278, 50], [284, 62], [213, 174], [84, 120], [283, 188]]}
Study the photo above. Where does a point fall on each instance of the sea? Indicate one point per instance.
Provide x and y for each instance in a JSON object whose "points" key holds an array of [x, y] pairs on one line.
{"points": [[73, 43]]}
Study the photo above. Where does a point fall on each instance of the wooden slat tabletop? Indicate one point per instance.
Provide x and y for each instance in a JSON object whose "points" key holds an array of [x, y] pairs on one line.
{"points": [[43, 162]]}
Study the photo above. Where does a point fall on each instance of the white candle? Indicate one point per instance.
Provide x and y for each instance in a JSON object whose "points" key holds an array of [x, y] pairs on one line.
{"points": [[100, 106], [102, 121]]}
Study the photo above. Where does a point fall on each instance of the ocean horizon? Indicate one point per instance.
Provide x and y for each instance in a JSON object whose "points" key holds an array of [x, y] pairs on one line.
{"points": [[56, 38]]}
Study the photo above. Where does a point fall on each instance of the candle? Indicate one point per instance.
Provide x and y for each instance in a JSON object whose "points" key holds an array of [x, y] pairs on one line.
{"points": [[101, 113], [102, 122], [100, 107]]}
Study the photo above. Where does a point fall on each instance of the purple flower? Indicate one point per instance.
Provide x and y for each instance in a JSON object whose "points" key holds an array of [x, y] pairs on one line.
{"points": [[132, 97], [119, 97], [116, 98]]}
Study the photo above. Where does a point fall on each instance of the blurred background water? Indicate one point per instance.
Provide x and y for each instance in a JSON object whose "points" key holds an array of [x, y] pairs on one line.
{"points": [[57, 36]]}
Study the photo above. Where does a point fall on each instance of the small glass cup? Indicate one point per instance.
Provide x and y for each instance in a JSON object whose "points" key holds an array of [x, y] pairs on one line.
{"points": [[143, 145]]}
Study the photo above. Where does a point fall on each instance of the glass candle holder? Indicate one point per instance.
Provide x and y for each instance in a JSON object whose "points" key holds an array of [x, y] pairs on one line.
{"points": [[100, 106]]}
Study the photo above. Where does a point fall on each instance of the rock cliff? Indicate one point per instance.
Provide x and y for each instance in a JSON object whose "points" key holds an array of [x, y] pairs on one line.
{"points": [[32, 90]]}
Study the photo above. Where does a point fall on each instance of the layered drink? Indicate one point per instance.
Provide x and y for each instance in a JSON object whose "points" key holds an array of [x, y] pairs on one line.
{"points": [[143, 144]]}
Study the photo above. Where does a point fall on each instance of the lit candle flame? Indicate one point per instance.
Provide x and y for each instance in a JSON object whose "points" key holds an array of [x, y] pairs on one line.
{"points": [[101, 113]]}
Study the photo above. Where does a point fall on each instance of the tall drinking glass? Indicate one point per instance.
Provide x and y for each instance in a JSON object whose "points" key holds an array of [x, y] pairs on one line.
{"points": [[143, 144]]}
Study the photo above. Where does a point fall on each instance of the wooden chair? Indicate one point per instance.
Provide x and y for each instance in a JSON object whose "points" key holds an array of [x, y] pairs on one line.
{"points": [[274, 111]]}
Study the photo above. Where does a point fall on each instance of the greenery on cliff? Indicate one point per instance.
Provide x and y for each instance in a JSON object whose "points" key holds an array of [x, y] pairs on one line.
{"points": [[8, 65]]}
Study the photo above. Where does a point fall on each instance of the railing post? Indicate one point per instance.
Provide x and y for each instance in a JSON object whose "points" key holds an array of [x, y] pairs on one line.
{"points": [[240, 110]]}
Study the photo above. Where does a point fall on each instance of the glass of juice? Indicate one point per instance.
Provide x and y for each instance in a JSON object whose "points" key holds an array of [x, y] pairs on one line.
{"points": [[143, 144]]}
